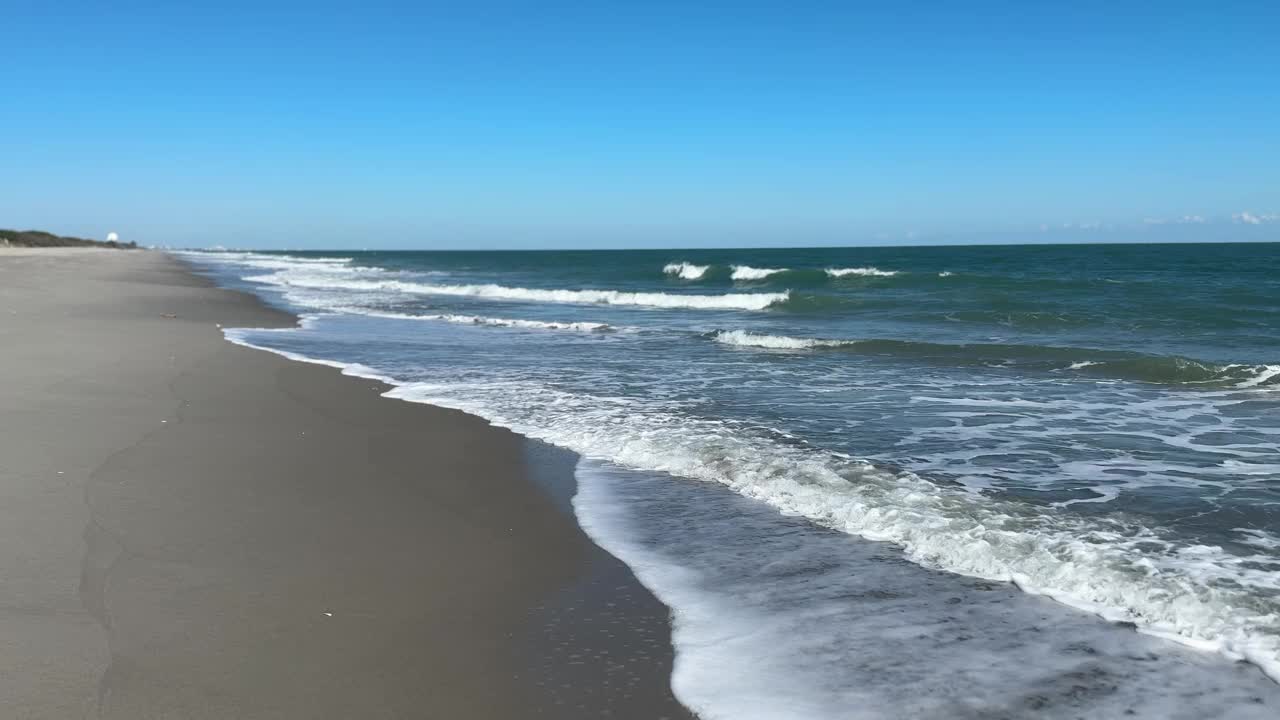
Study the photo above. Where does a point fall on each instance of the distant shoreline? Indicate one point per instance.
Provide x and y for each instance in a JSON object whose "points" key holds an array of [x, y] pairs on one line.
{"points": [[42, 239]]}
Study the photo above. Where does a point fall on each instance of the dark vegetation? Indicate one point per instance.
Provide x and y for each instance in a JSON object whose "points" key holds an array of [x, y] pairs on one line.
{"points": [[37, 238]]}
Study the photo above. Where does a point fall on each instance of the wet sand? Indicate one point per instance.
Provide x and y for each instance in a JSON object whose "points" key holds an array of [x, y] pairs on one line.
{"points": [[194, 529]]}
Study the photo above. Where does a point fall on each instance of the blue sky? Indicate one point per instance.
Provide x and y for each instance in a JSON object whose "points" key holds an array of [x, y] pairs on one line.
{"points": [[477, 124]]}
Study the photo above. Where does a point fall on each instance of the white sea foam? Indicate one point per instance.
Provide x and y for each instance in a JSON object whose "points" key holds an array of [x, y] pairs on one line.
{"points": [[1123, 572], [1263, 374], [337, 306], [945, 273], [730, 301], [686, 271], [746, 272], [861, 271], [809, 625], [483, 320], [749, 647], [337, 274], [1201, 596], [1259, 538], [240, 336], [263, 260], [742, 338]]}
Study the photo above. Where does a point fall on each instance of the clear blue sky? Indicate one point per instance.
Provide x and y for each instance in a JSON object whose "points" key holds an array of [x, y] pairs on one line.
{"points": [[477, 124]]}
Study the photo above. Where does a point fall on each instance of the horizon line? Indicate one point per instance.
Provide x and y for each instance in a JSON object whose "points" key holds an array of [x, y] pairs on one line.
{"points": [[726, 247]]}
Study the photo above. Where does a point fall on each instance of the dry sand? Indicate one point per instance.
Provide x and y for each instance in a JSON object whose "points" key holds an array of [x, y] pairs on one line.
{"points": [[192, 529]]}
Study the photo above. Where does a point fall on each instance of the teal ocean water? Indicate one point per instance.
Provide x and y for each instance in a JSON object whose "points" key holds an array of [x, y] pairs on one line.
{"points": [[862, 477]]}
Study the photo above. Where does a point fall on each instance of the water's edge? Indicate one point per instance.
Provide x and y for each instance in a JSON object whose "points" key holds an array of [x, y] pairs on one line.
{"points": [[603, 519], [578, 618]]}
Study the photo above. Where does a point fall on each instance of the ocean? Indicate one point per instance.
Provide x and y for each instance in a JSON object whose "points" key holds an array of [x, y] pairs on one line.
{"points": [[876, 482]]}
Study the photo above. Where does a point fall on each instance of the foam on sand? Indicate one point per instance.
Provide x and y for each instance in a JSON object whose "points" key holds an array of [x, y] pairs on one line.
{"points": [[1117, 565], [1121, 570], [813, 624]]}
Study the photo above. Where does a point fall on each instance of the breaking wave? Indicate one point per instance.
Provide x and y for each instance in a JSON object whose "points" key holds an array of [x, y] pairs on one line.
{"points": [[483, 320], [264, 260], [686, 271], [861, 272], [1125, 566], [730, 301], [746, 272], [742, 338], [1121, 570]]}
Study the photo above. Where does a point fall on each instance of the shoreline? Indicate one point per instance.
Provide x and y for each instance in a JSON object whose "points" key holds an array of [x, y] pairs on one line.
{"points": [[267, 538], [1025, 601]]}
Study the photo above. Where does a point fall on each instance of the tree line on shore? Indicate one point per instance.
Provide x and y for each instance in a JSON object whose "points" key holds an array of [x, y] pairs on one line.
{"points": [[39, 238]]}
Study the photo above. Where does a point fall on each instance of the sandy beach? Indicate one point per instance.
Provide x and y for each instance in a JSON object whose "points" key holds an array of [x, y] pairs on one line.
{"points": [[194, 529]]}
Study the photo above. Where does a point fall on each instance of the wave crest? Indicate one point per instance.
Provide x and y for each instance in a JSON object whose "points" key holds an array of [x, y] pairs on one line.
{"points": [[730, 301], [1103, 566], [487, 321], [746, 272], [742, 338], [686, 271], [860, 272]]}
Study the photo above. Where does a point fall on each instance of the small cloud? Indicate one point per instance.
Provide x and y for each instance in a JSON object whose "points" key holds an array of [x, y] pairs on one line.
{"points": [[1248, 218], [1054, 227], [1184, 220]]}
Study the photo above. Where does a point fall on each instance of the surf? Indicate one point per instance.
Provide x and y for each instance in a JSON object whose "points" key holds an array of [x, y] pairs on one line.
{"points": [[686, 271], [489, 291], [1156, 369]]}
